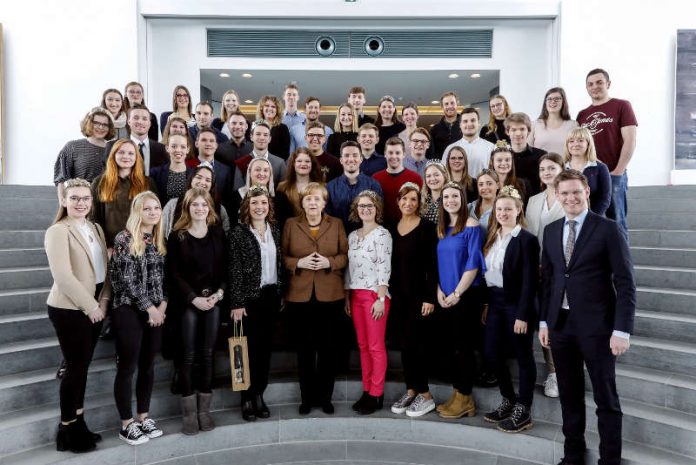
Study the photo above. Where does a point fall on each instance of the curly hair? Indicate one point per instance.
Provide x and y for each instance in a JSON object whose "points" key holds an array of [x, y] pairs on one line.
{"points": [[376, 200]]}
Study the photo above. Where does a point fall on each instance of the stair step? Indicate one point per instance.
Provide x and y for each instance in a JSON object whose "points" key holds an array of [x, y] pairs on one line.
{"points": [[662, 238], [662, 256], [23, 300], [25, 327], [663, 203], [20, 191], [663, 276], [10, 258], [643, 193], [31, 238], [663, 325], [26, 276], [663, 220], [660, 354], [666, 299]]}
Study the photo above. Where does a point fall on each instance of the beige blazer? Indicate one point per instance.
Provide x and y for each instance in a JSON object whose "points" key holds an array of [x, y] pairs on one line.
{"points": [[331, 242], [72, 267]]}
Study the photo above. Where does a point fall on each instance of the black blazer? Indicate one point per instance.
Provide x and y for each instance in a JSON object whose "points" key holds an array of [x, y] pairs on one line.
{"points": [[158, 154], [521, 275], [598, 279], [244, 270]]}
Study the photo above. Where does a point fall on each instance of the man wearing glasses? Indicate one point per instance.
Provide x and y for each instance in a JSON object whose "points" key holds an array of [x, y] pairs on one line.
{"points": [[478, 151], [315, 137], [420, 142]]}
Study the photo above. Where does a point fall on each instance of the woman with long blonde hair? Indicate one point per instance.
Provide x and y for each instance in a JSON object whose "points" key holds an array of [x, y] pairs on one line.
{"points": [[123, 179], [139, 309], [494, 131], [345, 128]]}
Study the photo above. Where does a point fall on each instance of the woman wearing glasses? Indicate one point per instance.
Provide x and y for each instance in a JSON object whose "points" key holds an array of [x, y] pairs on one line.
{"points": [[181, 107], [495, 129], [135, 94], [550, 130], [387, 122]]}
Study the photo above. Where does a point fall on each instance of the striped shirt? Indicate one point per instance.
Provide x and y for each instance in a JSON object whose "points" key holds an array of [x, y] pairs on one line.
{"points": [[79, 159]]}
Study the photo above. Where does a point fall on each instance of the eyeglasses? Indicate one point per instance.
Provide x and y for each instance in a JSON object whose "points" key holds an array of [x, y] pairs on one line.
{"points": [[554, 99], [315, 136], [365, 206], [420, 141], [76, 199], [182, 96], [97, 124], [496, 105]]}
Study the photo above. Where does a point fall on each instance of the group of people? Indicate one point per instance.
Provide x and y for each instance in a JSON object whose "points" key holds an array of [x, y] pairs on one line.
{"points": [[409, 231]]}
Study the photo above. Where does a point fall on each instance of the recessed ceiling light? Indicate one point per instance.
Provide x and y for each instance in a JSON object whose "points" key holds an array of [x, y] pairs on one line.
{"points": [[248, 101], [247, 75], [475, 76], [434, 102], [477, 108], [224, 75], [453, 76]]}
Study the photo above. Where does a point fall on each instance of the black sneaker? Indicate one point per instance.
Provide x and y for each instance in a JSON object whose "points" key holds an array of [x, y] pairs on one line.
{"points": [[150, 429], [519, 420], [132, 434], [501, 413]]}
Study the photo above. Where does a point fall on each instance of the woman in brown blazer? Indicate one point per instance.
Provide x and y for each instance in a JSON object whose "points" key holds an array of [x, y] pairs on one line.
{"points": [[77, 303], [315, 251]]}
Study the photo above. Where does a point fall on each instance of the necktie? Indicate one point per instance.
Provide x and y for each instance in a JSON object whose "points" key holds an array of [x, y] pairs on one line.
{"points": [[570, 244]]}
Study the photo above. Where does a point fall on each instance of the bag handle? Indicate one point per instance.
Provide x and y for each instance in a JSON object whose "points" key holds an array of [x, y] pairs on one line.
{"points": [[235, 331]]}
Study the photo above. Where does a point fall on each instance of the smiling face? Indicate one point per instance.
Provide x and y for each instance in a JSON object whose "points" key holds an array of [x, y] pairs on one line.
{"points": [[303, 164], [497, 107], [312, 110], [206, 144], [469, 125], [182, 99], [290, 97], [507, 212], [554, 102], [518, 133], [548, 170], [203, 179], [315, 139], [357, 100], [177, 127], [351, 160], [487, 187], [345, 117], [125, 156], [199, 209], [366, 209], [269, 110], [134, 93], [204, 116], [152, 212], [502, 163], [434, 178], [573, 196], [260, 172], [386, 110], [410, 116], [114, 103], [260, 137], [367, 138], [577, 146], [598, 87], [313, 203], [258, 207], [139, 122], [456, 160], [419, 145], [449, 106], [395, 156], [177, 148], [231, 102], [77, 202], [237, 125], [408, 203], [452, 200], [100, 126]]}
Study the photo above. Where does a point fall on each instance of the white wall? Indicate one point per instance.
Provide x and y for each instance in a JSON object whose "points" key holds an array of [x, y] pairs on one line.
{"points": [[59, 58], [635, 43]]}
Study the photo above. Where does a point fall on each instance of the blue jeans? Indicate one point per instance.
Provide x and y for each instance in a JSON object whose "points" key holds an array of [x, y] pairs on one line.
{"points": [[618, 209]]}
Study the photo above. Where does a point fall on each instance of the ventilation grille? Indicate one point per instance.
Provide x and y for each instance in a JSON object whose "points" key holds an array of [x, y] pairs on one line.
{"points": [[396, 44]]}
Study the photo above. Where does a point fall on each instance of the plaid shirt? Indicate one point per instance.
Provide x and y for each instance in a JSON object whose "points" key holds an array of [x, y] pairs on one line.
{"points": [[137, 281]]}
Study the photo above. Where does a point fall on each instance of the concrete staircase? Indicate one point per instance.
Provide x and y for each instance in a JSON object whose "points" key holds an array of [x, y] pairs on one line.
{"points": [[656, 378]]}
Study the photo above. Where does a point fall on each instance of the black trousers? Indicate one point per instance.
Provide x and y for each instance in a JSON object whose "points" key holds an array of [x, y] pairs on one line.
{"points": [[460, 324], [199, 330], [137, 343], [77, 337], [259, 327], [501, 340], [413, 332], [315, 329], [570, 349]]}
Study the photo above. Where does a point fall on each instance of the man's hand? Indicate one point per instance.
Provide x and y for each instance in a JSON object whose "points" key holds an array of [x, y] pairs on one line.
{"points": [[544, 337], [618, 345]]}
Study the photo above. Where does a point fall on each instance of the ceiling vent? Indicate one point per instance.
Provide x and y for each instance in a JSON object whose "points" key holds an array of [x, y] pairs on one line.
{"points": [[345, 44]]}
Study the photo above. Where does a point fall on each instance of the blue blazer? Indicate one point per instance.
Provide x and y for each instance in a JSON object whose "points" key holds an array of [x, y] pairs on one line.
{"points": [[598, 279], [599, 180]]}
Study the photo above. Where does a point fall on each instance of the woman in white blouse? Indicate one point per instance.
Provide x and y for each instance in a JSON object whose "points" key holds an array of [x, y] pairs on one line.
{"points": [[366, 283], [543, 209]]}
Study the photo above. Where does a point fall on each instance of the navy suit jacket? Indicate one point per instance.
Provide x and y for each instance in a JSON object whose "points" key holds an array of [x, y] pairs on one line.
{"points": [[598, 279]]}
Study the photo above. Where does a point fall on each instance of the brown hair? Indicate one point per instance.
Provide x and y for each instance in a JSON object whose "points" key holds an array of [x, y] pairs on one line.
{"points": [[87, 123], [124, 107], [467, 180], [245, 209], [570, 175], [174, 106], [565, 112], [279, 109], [494, 176], [289, 185], [166, 135], [224, 116], [357, 90], [379, 207], [394, 117], [511, 177], [490, 127], [443, 216], [494, 226], [337, 122], [184, 222], [518, 118]]}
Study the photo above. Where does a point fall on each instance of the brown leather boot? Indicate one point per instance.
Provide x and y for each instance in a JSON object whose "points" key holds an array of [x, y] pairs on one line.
{"points": [[462, 406], [446, 405]]}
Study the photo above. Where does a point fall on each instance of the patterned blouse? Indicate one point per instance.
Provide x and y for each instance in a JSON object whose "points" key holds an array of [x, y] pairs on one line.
{"points": [[369, 260], [137, 281], [431, 208]]}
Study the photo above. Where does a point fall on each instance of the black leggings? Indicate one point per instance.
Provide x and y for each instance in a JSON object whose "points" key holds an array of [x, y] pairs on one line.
{"points": [[197, 324], [413, 330], [77, 337], [137, 343]]}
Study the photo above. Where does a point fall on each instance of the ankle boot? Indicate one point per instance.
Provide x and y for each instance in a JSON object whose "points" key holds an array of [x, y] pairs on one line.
{"points": [[461, 406], [262, 410], [189, 415], [96, 437], [357, 405], [446, 405], [71, 437], [370, 405], [205, 419]]}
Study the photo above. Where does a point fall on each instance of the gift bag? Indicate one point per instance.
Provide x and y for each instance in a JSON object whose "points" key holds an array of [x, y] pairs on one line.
{"points": [[239, 358]]}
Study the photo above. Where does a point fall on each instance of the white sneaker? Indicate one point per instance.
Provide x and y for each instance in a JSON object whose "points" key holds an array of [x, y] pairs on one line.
{"points": [[402, 404], [551, 386], [420, 406]]}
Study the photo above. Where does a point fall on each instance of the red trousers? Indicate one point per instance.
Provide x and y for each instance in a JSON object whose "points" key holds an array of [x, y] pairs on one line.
{"points": [[370, 332]]}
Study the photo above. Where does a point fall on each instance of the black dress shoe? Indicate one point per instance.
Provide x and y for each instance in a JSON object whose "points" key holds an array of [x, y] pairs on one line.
{"points": [[327, 407], [248, 411], [565, 461], [356, 406], [261, 407], [305, 408]]}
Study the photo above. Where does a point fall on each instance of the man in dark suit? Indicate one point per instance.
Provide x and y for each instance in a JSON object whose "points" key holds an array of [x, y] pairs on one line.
{"points": [[206, 145], [588, 303], [153, 153]]}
